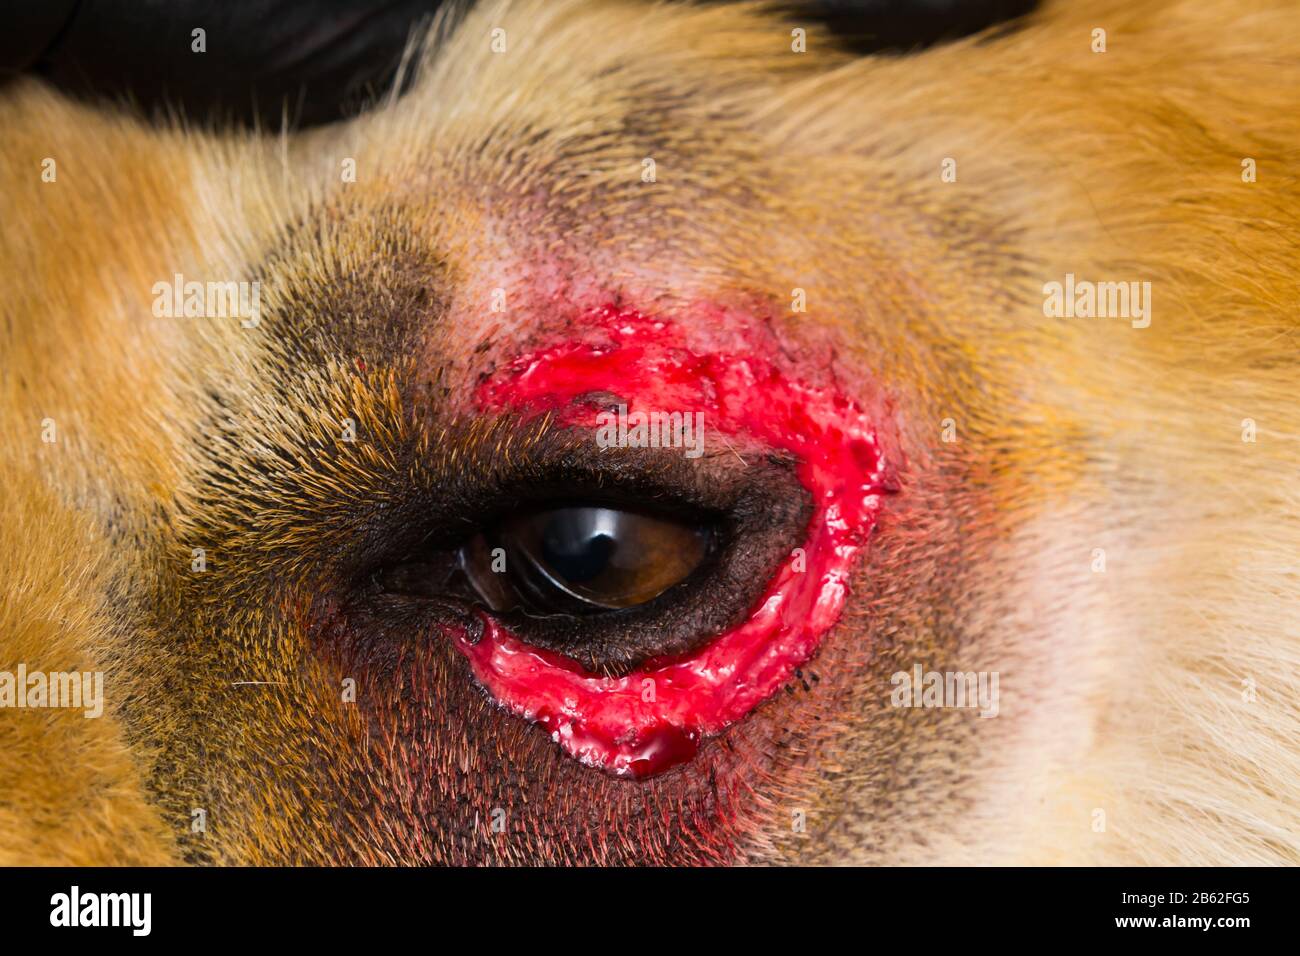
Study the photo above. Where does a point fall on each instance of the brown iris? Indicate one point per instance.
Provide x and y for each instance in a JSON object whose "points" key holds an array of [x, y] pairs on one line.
{"points": [[582, 559]]}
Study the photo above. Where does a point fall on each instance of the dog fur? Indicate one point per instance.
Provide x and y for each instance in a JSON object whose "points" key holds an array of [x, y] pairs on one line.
{"points": [[1123, 690]]}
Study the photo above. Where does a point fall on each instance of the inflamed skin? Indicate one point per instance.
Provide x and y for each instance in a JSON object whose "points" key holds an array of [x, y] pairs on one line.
{"points": [[652, 719]]}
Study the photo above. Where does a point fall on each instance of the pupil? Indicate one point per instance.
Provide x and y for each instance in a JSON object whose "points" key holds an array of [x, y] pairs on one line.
{"points": [[578, 543]]}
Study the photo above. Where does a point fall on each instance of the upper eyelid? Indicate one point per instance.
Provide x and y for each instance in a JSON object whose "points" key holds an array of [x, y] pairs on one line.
{"points": [[484, 505], [499, 459], [448, 495]]}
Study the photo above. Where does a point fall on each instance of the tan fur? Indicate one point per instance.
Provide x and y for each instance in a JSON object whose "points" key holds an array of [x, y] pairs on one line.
{"points": [[1122, 691]]}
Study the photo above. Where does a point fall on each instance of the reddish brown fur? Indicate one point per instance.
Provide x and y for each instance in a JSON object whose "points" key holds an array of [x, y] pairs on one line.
{"points": [[775, 170]]}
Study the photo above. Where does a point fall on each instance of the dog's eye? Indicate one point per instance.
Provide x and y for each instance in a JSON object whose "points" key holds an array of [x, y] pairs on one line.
{"points": [[610, 583], [610, 560], [582, 559]]}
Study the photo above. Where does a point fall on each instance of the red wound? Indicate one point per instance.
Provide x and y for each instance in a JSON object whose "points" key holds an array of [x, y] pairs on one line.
{"points": [[655, 718]]}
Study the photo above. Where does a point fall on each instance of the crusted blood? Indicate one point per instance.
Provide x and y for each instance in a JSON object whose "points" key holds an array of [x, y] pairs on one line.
{"points": [[647, 721]]}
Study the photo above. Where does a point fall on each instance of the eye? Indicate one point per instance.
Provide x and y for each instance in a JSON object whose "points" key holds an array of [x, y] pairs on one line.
{"points": [[582, 559], [609, 561]]}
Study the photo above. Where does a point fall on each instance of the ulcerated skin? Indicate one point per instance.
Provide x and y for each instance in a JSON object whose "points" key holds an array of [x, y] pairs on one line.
{"points": [[1121, 690]]}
